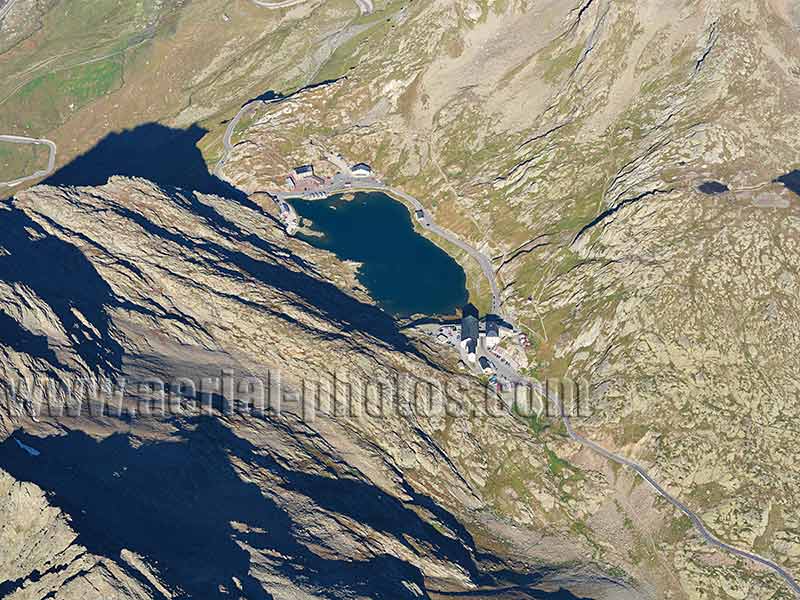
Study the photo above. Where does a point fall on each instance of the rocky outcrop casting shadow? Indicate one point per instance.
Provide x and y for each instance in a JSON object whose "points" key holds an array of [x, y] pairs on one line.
{"points": [[174, 502], [58, 273], [166, 156], [323, 297], [180, 502], [170, 158]]}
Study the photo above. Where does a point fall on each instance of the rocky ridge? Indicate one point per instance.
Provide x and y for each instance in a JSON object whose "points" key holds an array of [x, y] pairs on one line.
{"points": [[569, 140], [131, 280]]}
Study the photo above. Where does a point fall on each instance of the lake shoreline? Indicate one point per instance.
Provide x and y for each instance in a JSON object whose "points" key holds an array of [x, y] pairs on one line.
{"points": [[405, 272]]}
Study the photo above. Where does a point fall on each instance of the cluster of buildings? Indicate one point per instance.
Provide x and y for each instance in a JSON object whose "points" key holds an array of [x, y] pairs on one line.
{"points": [[286, 212], [304, 179], [478, 336]]}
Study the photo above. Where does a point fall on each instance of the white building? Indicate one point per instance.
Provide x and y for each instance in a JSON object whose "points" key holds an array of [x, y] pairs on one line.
{"points": [[486, 366], [361, 170]]}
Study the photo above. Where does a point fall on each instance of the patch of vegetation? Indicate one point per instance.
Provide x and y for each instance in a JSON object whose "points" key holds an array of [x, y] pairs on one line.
{"points": [[561, 471], [243, 125], [346, 56], [557, 62], [453, 43], [509, 476], [633, 432], [557, 465], [581, 528], [616, 572], [537, 423], [47, 101], [775, 523], [677, 530], [708, 494], [21, 160], [77, 32]]}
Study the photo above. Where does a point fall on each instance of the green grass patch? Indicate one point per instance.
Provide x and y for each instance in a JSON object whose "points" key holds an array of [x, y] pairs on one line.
{"points": [[557, 63], [47, 101], [537, 423], [557, 465], [346, 56], [21, 160], [677, 529]]}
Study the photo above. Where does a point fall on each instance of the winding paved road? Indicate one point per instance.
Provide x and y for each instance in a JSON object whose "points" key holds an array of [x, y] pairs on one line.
{"points": [[226, 139], [709, 537], [51, 160], [697, 523], [484, 261], [365, 6], [486, 266], [343, 184]]}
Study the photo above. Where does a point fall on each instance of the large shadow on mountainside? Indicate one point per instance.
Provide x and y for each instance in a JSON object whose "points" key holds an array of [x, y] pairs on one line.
{"points": [[166, 156], [170, 158], [182, 505], [58, 273]]}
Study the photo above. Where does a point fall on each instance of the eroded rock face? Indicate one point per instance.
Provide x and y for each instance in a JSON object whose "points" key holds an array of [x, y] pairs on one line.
{"points": [[130, 281], [568, 139], [41, 556]]}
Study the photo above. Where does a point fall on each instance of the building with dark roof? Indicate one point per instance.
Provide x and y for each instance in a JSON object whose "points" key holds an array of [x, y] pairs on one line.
{"points": [[304, 171], [469, 330], [470, 310], [361, 170], [492, 331]]}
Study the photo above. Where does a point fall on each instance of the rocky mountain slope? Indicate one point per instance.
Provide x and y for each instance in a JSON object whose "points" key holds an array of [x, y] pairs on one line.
{"points": [[74, 71], [569, 140], [214, 493]]}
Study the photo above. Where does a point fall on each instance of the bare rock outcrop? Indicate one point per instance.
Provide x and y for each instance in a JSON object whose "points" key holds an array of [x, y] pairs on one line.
{"points": [[134, 341]]}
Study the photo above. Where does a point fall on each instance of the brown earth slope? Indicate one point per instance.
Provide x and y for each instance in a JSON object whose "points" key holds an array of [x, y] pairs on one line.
{"points": [[568, 140]]}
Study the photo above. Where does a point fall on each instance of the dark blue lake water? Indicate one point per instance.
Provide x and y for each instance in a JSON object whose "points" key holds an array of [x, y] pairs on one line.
{"points": [[404, 272], [791, 180], [713, 188]]}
